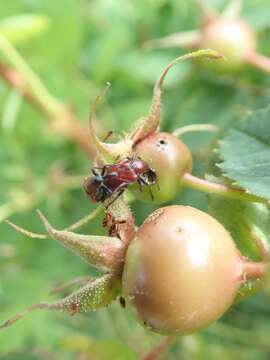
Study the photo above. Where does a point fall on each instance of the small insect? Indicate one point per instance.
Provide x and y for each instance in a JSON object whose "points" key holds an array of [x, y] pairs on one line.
{"points": [[122, 302], [114, 178]]}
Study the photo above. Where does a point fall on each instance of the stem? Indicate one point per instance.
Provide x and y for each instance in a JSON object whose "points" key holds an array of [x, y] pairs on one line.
{"points": [[7, 210], [209, 187], [195, 127], [34, 84], [86, 219], [24, 79], [254, 270], [208, 12], [260, 61], [233, 9], [159, 351], [185, 39]]}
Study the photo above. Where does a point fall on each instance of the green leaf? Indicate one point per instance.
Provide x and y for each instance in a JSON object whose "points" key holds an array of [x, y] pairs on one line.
{"points": [[246, 153], [248, 223], [23, 28]]}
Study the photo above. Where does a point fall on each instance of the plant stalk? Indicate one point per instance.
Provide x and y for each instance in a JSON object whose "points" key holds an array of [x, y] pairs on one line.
{"points": [[254, 270], [262, 62], [26, 81], [209, 187]]}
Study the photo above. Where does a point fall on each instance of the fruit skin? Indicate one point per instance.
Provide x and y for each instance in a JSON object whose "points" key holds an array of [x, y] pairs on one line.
{"points": [[170, 158], [232, 38], [182, 271]]}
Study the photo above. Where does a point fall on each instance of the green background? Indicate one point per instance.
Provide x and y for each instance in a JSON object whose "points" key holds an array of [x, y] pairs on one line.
{"points": [[86, 44]]}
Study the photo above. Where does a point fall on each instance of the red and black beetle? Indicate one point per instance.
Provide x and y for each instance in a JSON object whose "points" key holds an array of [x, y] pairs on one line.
{"points": [[114, 178]]}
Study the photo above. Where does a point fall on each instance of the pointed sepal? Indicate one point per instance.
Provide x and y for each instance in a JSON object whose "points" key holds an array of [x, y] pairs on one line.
{"points": [[103, 252], [105, 152], [150, 124], [96, 294]]}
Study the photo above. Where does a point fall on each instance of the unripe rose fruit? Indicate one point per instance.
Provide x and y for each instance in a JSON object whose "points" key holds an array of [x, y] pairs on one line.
{"points": [[182, 271], [170, 158], [232, 38]]}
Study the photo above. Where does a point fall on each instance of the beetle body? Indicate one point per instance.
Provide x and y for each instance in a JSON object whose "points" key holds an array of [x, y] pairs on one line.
{"points": [[114, 178]]}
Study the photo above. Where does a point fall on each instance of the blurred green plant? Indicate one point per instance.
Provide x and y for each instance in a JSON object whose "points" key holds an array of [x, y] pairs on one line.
{"points": [[75, 47]]}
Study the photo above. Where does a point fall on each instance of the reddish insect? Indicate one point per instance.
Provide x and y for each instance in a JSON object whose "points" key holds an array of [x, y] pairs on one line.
{"points": [[114, 178]]}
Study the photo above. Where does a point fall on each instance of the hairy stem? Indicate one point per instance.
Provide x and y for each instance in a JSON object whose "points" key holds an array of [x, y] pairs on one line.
{"points": [[254, 270], [209, 187]]}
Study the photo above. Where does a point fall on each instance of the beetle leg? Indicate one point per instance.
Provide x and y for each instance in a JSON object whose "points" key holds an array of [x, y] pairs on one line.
{"points": [[103, 171], [117, 196], [92, 296], [141, 183], [94, 170], [144, 182], [105, 193]]}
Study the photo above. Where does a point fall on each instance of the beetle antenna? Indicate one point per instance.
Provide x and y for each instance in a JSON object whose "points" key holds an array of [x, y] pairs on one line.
{"points": [[94, 171]]}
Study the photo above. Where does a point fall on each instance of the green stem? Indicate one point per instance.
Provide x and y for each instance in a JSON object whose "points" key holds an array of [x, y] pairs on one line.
{"points": [[195, 127], [34, 85], [86, 219], [209, 187], [185, 39], [23, 78]]}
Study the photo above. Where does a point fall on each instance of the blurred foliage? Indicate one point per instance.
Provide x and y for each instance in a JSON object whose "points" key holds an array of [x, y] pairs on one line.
{"points": [[76, 46]]}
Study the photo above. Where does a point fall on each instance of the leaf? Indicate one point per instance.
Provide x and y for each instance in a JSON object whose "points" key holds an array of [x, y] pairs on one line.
{"points": [[248, 223], [246, 153], [22, 28]]}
